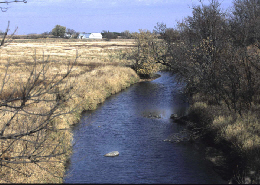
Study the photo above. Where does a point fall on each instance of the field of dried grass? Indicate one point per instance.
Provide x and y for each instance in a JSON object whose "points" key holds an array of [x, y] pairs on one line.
{"points": [[99, 71]]}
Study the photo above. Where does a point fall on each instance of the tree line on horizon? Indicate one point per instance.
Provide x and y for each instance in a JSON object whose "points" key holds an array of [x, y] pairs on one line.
{"points": [[62, 32]]}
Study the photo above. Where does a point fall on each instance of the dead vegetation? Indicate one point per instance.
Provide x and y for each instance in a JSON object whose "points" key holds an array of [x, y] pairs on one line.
{"points": [[44, 89]]}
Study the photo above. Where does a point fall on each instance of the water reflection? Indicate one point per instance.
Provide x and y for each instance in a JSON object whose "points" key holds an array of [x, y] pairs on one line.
{"points": [[121, 124]]}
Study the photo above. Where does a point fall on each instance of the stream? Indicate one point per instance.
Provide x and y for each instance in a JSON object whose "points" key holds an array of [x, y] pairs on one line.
{"points": [[136, 122]]}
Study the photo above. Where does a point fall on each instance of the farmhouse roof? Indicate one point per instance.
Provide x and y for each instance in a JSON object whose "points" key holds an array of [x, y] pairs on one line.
{"points": [[96, 34]]}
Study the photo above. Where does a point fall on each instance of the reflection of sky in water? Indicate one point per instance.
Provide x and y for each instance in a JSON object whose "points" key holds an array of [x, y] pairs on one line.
{"points": [[161, 96], [119, 124]]}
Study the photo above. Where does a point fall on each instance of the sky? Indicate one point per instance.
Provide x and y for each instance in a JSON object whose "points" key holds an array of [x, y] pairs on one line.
{"points": [[38, 16]]}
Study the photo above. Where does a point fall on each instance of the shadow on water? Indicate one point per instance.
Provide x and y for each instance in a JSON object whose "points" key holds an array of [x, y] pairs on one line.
{"points": [[135, 123]]}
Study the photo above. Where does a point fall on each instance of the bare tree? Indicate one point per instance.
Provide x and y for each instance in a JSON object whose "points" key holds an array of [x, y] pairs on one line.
{"points": [[5, 34], [28, 109], [209, 60], [206, 59], [245, 22], [4, 9]]}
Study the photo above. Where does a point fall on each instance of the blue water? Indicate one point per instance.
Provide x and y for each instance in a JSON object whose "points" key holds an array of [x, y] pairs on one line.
{"points": [[121, 124]]}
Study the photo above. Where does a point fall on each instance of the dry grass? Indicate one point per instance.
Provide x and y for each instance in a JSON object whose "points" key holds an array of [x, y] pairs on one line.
{"points": [[94, 87], [94, 51], [243, 132], [238, 136], [98, 73]]}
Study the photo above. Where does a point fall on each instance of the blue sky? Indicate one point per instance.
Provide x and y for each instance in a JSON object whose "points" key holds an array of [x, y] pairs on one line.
{"points": [[38, 16]]}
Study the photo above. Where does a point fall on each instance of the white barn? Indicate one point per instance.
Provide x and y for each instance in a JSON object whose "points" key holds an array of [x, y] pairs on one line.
{"points": [[90, 36]]}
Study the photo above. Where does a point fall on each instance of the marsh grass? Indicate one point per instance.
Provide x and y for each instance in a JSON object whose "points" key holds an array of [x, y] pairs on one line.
{"points": [[238, 136], [96, 75]]}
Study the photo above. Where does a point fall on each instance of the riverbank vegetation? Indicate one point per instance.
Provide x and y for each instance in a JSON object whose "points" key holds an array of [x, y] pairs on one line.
{"points": [[221, 70], [47, 83], [216, 55], [45, 86]]}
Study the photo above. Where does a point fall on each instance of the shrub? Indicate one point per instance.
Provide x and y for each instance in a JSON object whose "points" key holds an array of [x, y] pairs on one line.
{"points": [[145, 53]]}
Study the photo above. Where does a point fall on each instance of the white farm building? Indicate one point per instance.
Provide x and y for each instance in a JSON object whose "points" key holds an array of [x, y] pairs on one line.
{"points": [[90, 36]]}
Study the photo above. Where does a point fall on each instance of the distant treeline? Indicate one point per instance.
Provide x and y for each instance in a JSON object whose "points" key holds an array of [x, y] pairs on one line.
{"points": [[115, 35], [105, 34]]}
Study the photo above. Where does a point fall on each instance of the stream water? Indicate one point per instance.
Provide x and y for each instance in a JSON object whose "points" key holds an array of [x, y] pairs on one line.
{"points": [[136, 122]]}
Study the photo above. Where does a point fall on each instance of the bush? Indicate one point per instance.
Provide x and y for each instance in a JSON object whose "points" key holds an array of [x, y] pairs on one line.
{"points": [[145, 54], [59, 31]]}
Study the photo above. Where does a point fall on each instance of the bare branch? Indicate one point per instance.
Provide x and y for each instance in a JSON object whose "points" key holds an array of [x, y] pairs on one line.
{"points": [[32, 129], [7, 29], [14, 1], [4, 9]]}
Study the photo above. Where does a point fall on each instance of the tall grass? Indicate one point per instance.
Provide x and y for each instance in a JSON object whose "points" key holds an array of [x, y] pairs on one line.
{"points": [[237, 136], [96, 76]]}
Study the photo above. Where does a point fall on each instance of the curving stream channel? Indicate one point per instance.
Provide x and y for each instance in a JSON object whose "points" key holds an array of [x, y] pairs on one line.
{"points": [[135, 123]]}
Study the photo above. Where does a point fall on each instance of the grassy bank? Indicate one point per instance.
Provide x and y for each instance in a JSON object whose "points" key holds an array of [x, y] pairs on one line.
{"points": [[233, 140], [97, 74]]}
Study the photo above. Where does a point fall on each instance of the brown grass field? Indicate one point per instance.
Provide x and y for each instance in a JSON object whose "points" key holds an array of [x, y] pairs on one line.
{"points": [[99, 71]]}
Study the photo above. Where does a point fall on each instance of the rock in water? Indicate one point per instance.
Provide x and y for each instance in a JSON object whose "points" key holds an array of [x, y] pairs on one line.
{"points": [[174, 116], [112, 154]]}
